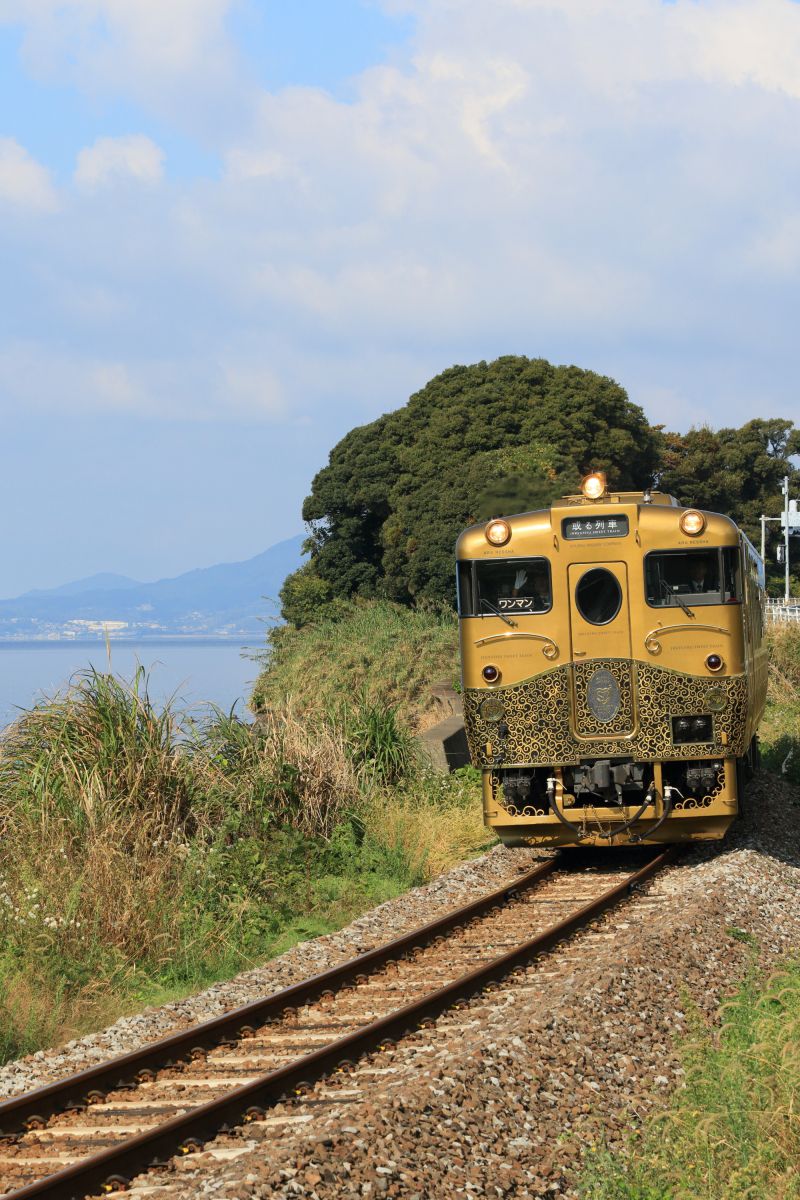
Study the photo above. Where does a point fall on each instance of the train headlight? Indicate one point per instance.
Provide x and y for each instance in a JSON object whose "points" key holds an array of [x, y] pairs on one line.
{"points": [[498, 532], [490, 674], [594, 485], [692, 522], [714, 662]]}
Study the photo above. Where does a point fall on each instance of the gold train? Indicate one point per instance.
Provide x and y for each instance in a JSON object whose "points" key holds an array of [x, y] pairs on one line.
{"points": [[614, 668]]}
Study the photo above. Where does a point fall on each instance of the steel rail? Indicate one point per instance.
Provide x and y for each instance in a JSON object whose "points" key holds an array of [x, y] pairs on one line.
{"points": [[187, 1133], [120, 1072]]}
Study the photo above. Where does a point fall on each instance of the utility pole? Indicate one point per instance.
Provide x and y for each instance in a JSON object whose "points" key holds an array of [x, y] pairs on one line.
{"points": [[790, 523], [763, 534], [785, 490]]}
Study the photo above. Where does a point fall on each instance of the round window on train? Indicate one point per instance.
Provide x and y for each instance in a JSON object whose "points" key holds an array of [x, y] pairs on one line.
{"points": [[598, 596]]}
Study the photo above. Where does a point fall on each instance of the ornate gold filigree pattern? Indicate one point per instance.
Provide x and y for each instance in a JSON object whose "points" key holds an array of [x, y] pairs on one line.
{"points": [[542, 730]]}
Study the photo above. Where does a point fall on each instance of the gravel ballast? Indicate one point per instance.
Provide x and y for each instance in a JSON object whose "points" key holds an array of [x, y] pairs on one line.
{"points": [[502, 1097], [389, 920]]}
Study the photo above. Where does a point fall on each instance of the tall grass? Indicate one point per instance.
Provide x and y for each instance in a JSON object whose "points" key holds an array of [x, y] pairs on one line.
{"points": [[143, 854], [780, 728], [288, 771], [433, 822]]}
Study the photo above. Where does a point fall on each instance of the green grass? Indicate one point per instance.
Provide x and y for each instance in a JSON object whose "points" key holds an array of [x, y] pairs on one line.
{"points": [[733, 1132]]}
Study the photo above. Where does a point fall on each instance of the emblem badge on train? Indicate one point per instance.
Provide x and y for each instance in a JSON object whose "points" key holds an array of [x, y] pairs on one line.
{"points": [[602, 695]]}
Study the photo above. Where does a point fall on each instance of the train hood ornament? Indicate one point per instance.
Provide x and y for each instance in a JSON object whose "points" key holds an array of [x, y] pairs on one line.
{"points": [[603, 696]]}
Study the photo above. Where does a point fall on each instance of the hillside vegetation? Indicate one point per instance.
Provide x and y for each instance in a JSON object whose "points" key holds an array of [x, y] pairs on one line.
{"points": [[371, 651], [780, 729]]}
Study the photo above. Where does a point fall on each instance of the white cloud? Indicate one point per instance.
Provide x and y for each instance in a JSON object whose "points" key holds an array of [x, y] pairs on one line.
{"points": [[777, 248], [24, 182], [40, 376], [111, 158], [252, 390], [609, 184], [173, 57]]}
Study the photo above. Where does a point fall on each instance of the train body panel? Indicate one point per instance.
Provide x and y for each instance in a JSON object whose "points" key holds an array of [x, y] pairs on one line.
{"points": [[613, 669]]}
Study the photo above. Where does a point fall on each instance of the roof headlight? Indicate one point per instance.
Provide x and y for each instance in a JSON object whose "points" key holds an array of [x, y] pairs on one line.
{"points": [[594, 485], [498, 532], [692, 522]]}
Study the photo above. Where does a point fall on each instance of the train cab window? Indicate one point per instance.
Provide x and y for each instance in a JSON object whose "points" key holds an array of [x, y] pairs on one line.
{"points": [[598, 596], [678, 577], [506, 587]]}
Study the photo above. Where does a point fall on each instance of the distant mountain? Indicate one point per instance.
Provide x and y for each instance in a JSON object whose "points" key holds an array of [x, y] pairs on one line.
{"points": [[230, 599], [105, 581]]}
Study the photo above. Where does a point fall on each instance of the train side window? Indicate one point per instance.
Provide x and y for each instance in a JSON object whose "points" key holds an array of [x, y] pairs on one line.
{"points": [[513, 586], [731, 575], [466, 603], [672, 576]]}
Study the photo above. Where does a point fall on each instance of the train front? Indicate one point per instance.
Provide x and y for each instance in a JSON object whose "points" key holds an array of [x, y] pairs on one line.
{"points": [[613, 672]]}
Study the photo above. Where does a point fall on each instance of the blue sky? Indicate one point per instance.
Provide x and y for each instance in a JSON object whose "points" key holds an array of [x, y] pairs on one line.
{"points": [[230, 230]]}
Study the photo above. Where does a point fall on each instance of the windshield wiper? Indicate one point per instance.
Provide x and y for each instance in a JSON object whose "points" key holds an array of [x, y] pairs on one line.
{"points": [[502, 616], [676, 596]]}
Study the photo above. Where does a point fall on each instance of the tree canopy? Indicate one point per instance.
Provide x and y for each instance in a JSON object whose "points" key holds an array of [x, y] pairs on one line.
{"points": [[497, 438]]}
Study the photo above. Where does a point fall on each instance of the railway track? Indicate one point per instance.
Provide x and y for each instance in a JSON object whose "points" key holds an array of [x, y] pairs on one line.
{"points": [[94, 1131]]}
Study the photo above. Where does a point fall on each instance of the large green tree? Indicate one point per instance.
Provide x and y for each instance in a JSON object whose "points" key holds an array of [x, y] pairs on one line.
{"points": [[476, 441], [734, 471], [738, 472]]}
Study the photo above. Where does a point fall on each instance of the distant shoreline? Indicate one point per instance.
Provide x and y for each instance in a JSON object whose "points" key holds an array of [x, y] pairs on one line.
{"points": [[171, 639]]}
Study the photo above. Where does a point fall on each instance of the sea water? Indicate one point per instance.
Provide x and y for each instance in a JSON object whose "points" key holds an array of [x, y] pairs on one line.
{"points": [[195, 672]]}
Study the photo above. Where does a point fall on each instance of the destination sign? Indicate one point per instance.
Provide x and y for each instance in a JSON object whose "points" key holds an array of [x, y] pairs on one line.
{"points": [[574, 528]]}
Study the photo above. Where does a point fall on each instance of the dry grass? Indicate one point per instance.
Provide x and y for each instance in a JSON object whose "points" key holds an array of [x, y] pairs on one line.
{"points": [[134, 847], [432, 823], [784, 664], [299, 768], [141, 852]]}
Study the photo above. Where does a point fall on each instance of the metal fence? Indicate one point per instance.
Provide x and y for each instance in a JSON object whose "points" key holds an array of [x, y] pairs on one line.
{"points": [[781, 613]]}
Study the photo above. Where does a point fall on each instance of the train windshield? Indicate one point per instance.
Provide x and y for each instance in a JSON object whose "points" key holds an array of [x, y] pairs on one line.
{"points": [[505, 587], [679, 577]]}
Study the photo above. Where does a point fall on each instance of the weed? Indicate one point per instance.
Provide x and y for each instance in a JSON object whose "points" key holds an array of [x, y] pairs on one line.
{"points": [[734, 1129]]}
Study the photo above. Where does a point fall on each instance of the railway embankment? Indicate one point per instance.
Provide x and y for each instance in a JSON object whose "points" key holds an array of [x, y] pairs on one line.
{"points": [[144, 854]]}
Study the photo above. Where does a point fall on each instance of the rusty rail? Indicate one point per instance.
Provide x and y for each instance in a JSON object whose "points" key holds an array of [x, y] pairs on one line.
{"points": [[230, 1027], [115, 1166]]}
